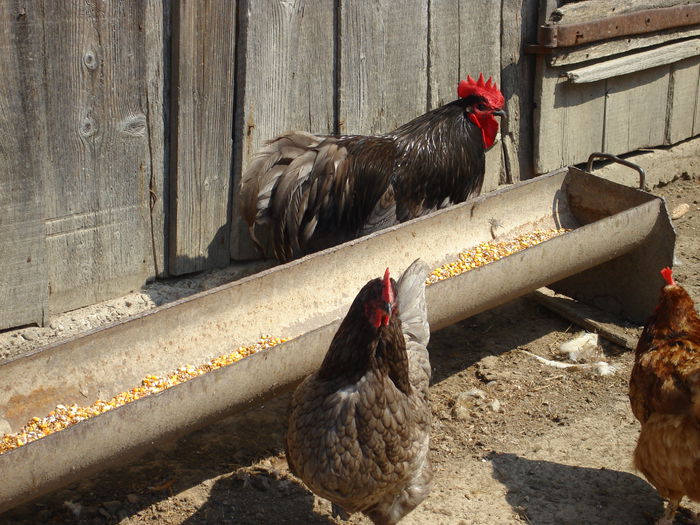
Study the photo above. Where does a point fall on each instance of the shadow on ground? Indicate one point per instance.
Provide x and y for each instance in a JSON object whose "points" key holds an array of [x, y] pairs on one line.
{"points": [[544, 493]]}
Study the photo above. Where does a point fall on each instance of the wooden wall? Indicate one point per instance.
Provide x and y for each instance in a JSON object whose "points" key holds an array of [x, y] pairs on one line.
{"points": [[617, 95], [125, 125], [81, 160]]}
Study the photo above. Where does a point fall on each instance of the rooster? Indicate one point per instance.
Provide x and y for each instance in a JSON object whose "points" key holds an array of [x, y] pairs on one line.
{"points": [[314, 191], [359, 427], [665, 397]]}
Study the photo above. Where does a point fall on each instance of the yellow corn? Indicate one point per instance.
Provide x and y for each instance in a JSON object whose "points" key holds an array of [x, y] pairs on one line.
{"points": [[64, 416], [490, 251]]}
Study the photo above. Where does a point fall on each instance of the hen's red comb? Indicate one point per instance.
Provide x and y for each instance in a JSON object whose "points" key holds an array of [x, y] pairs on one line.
{"points": [[667, 274], [387, 292], [487, 89]]}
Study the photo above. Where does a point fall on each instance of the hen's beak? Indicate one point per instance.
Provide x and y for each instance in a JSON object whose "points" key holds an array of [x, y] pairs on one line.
{"points": [[386, 309]]}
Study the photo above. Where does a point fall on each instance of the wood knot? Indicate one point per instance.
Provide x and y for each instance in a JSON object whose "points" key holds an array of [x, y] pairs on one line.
{"points": [[134, 125], [88, 127], [90, 60]]}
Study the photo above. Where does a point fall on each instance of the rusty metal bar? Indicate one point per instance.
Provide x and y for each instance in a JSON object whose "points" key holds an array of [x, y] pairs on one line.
{"points": [[637, 23]]}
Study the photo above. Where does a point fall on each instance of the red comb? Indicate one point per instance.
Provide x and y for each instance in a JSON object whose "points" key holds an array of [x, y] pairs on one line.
{"points": [[387, 291], [667, 274], [487, 89]]}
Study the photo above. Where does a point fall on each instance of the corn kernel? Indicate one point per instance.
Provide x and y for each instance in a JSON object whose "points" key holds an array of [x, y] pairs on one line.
{"points": [[487, 252], [62, 417]]}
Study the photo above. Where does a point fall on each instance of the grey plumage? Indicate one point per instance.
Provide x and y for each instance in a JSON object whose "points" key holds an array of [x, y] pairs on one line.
{"points": [[359, 428]]}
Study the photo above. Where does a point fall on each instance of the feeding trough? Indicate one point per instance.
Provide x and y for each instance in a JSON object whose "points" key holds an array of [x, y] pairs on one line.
{"points": [[619, 238]]}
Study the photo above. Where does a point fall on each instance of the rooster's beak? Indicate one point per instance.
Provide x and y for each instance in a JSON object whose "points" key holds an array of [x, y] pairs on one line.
{"points": [[500, 113]]}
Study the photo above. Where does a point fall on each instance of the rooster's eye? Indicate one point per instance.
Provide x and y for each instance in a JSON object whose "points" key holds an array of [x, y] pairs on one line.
{"points": [[481, 106]]}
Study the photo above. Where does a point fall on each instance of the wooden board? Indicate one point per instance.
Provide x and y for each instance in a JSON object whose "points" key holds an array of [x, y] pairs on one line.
{"points": [[683, 98], [631, 122], [204, 35], [286, 70], [23, 280], [157, 70], [569, 119], [517, 84], [95, 144], [460, 45], [635, 62], [615, 46], [383, 64], [578, 12]]}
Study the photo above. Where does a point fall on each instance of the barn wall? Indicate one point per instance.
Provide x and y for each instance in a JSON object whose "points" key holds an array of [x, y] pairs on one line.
{"points": [[126, 124]]}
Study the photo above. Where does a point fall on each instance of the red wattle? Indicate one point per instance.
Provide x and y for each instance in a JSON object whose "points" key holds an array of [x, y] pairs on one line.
{"points": [[488, 126]]}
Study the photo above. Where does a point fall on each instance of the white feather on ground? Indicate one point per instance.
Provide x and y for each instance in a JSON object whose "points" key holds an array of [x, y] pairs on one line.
{"points": [[599, 367], [582, 348]]}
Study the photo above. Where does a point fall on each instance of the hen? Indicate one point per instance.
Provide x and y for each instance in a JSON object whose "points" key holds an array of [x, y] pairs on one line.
{"points": [[359, 428], [315, 191], [665, 397]]}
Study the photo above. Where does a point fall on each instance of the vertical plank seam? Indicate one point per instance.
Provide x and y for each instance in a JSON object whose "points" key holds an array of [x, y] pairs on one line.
{"points": [[238, 132], [336, 65], [669, 102], [429, 63], [695, 105], [606, 100], [173, 137], [152, 196], [230, 219]]}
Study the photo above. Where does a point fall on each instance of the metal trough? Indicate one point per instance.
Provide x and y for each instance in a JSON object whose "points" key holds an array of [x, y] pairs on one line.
{"points": [[620, 239]]}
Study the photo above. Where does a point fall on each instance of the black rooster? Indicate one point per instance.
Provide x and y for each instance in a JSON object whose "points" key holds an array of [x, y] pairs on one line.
{"points": [[315, 191]]}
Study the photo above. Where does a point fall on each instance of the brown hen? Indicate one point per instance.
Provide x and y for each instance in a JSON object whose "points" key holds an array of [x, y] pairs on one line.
{"points": [[665, 397], [359, 428]]}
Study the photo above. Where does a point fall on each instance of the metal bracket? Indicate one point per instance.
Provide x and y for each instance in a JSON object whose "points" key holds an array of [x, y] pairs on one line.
{"points": [[618, 160], [552, 36]]}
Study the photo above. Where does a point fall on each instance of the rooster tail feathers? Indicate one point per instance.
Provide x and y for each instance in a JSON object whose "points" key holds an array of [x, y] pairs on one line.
{"points": [[266, 170], [412, 309]]}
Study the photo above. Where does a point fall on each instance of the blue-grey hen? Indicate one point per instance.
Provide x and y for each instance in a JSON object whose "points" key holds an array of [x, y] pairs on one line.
{"points": [[359, 427]]}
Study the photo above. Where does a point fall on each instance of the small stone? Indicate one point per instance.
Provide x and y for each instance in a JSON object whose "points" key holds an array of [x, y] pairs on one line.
{"points": [[680, 210], [132, 498], [460, 413], [28, 336], [495, 405]]}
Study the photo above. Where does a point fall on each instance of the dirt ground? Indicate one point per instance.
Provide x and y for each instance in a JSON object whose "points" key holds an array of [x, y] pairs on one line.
{"points": [[514, 441]]}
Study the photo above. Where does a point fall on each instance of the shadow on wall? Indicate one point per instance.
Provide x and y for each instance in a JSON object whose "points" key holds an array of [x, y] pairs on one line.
{"points": [[543, 493]]}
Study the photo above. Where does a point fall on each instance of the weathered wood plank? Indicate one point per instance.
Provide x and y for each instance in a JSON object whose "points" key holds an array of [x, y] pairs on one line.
{"points": [[157, 46], [568, 56], [519, 18], [569, 119], [631, 121], [23, 280], [288, 72], [578, 12], [614, 67], [96, 149], [457, 49], [383, 64], [202, 122], [683, 99], [589, 318]]}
